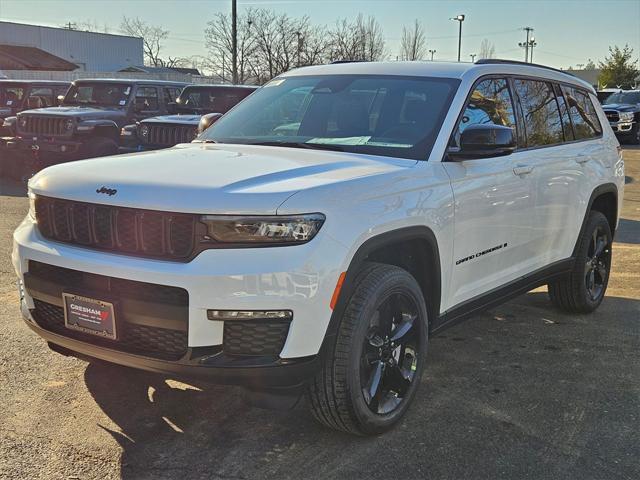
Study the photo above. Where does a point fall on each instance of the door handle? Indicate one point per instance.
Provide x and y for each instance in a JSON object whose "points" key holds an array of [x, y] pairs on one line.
{"points": [[523, 170], [582, 159]]}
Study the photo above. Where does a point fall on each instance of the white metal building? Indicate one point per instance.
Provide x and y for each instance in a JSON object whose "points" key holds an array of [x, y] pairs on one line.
{"points": [[94, 52]]}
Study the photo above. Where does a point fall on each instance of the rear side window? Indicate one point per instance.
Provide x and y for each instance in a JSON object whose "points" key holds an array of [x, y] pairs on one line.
{"points": [[542, 121], [147, 99], [490, 103], [583, 114], [564, 113]]}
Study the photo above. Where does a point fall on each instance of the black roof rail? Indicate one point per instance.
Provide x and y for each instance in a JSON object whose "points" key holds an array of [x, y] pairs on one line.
{"points": [[499, 61], [347, 61]]}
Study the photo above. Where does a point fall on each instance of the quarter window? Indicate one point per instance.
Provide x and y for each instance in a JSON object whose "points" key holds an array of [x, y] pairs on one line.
{"points": [[490, 103], [542, 121], [147, 99], [583, 114]]}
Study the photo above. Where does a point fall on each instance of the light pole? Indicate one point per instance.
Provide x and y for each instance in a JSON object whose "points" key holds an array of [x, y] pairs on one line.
{"points": [[459, 19], [473, 57], [234, 41], [432, 52], [532, 43]]}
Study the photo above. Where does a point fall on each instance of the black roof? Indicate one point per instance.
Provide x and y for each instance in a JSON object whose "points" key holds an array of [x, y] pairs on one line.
{"points": [[223, 85], [35, 82], [131, 81]]}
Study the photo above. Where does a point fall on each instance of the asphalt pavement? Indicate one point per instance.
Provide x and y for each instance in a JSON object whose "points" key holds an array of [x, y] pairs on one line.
{"points": [[518, 392]]}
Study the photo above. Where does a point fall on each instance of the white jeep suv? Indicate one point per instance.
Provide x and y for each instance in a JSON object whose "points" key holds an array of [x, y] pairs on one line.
{"points": [[316, 236]]}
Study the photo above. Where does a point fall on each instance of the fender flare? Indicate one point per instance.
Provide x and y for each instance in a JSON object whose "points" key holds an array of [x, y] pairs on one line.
{"points": [[359, 258], [599, 190]]}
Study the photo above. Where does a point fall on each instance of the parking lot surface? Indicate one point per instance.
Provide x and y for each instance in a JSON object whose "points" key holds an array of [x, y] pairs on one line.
{"points": [[520, 391]]}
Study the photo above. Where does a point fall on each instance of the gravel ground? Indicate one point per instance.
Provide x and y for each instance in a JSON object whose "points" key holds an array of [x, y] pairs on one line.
{"points": [[520, 391]]}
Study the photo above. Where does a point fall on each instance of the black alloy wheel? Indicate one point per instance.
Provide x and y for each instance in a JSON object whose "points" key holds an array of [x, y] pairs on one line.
{"points": [[390, 353], [598, 264]]}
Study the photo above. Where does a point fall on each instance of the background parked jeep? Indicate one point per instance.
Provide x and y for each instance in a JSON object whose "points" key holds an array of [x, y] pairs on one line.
{"points": [[197, 107], [87, 123], [623, 112]]}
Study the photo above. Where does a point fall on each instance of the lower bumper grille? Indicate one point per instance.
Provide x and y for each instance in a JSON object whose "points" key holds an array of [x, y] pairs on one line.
{"points": [[260, 337], [161, 343], [152, 320]]}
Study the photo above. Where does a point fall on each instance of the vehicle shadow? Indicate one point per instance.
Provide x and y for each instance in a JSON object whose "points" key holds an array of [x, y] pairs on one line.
{"points": [[628, 231], [501, 390]]}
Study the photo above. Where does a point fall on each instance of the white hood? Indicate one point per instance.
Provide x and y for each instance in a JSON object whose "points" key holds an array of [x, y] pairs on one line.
{"points": [[207, 178]]}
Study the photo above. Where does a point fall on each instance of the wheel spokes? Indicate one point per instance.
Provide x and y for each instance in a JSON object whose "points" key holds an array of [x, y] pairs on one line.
{"points": [[374, 381], [404, 327]]}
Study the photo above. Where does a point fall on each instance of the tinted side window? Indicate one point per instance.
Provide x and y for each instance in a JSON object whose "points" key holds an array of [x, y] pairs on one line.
{"points": [[147, 99], [170, 94], [564, 113], [583, 114], [542, 122], [40, 97]]}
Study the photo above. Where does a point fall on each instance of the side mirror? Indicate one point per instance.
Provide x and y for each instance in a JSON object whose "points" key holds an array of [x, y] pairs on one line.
{"points": [[207, 120], [60, 99], [484, 140]]}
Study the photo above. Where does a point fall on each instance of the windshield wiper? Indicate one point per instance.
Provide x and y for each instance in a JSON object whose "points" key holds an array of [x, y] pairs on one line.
{"points": [[309, 146]]}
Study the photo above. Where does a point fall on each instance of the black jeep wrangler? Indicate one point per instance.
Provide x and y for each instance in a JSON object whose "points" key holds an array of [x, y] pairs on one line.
{"points": [[19, 95], [623, 112], [197, 107], [87, 123]]}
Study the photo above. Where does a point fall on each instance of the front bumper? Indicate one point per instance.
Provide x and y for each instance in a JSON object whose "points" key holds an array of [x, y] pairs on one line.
{"points": [[39, 146], [300, 278], [621, 128], [199, 363]]}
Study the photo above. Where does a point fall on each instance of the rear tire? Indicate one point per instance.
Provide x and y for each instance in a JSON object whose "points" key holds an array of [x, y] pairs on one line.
{"points": [[583, 289], [634, 138], [372, 369]]}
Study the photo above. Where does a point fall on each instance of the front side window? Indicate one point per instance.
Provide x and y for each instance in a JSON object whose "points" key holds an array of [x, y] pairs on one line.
{"points": [[147, 99], [542, 121], [40, 98], [374, 114], [210, 99], [583, 114], [170, 94], [490, 103], [101, 94], [11, 96]]}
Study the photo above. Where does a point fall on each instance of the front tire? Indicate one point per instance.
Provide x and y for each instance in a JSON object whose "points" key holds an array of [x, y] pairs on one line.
{"points": [[584, 288], [372, 370]]}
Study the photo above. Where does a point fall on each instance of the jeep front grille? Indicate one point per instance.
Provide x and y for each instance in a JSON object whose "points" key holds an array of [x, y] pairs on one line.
{"points": [[145, 233], [612, 115], [169, 135], [43, 125]]}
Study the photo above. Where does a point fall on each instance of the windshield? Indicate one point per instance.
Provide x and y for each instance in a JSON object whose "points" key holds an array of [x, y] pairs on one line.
{"points": [[210, 100], [622, 97], [375, 114], [101, 94], [11, 96]]}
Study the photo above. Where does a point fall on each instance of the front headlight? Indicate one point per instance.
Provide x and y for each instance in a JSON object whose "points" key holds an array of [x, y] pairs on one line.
{"points": [[68, 125], [626, 116], [23, 121], [144, 131], [295, 229]]}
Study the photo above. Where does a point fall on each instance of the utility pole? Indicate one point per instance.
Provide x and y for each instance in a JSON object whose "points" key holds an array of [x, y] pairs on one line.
{"points": [[526, 44], [432, 52], [459, 19], [234, 41], [473, 57], [223, 67]]}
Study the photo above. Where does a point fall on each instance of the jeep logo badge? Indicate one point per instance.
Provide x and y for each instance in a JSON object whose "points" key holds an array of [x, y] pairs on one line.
{"points": [[107, 191]]}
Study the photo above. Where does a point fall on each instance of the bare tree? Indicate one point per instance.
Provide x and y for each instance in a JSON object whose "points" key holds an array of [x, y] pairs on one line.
{"points": [[152, 36], [413, 45], [487, 49], [218, 41], [360, 40]]}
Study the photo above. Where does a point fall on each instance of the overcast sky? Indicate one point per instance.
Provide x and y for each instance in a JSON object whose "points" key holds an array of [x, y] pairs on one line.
{"points": [[568, 32]]}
